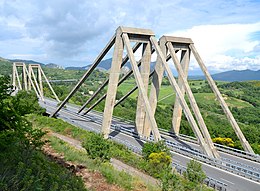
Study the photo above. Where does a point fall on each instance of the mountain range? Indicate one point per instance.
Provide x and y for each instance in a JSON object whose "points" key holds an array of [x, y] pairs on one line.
{"points": [[237, 75], [233, 75]]}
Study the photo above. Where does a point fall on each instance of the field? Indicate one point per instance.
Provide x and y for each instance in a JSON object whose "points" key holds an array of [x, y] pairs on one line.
{"points": [[167, 94]]}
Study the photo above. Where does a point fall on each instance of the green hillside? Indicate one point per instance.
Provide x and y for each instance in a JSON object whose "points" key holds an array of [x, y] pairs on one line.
{"points": [[241, 97], [6, 67]]}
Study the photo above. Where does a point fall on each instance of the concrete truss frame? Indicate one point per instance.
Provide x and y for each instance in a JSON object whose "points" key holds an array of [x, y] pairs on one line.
{"points": [[166, 49], [30, 80]]}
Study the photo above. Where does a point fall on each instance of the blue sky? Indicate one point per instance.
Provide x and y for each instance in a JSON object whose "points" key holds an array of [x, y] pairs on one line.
{"points": [[72, 33]]}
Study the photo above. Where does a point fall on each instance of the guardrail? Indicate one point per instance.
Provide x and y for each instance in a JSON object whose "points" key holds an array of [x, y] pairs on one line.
{"points": [[211, 182], [223, 148], [243, 170], [229, 165], [241, 164], [250, 173]]}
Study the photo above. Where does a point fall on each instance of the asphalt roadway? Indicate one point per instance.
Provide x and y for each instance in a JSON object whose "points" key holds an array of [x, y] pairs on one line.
{"points": [[234, 182]]}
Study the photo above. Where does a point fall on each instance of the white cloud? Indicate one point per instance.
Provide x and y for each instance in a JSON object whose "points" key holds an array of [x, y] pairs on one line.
{"points": [[68, 32], [225, 47]]}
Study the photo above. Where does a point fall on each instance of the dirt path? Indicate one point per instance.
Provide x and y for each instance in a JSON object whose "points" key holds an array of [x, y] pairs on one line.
{"points": [[71, 141], [92, 180], [120, 166]]}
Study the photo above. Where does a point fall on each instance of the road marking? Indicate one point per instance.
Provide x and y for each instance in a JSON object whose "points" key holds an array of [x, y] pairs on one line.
{"points": [[175, 160], [227, 181]]}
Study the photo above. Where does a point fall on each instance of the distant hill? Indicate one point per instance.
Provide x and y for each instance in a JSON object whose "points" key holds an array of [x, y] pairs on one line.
{"points": [[237, 75], [230, 76], [105, 65], [233, 75], [74, 68], [26, 61], [5, 67], [51, 65]]}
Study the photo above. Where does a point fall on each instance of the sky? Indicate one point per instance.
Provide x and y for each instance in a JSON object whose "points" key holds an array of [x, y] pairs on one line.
{"points": [[226, 33]]}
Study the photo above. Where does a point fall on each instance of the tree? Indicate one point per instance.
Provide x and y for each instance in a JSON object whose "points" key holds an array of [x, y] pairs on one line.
{"points": [[14, 128]]}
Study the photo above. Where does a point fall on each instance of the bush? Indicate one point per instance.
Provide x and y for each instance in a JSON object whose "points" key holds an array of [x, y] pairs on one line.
{"points": [[14, 128], [97, 147], [194, 172], [224, 141], [154, 147], [22, 167], [170, 181], [25, 102], [159, 162]]}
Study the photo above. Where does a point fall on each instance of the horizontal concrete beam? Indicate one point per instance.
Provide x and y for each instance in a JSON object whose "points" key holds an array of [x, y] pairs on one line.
{"points": [[136, 31], [177, 39]]}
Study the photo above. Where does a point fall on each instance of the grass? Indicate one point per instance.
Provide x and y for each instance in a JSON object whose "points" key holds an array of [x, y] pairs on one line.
{"points": [[28, 169], [112, 176], [118, 151], [167, 94]]}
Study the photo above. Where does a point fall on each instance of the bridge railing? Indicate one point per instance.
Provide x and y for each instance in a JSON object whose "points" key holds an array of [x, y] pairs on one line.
{"points": [[244, 170], [229, 165], [223, 148], [220, 147], [211, 182]]}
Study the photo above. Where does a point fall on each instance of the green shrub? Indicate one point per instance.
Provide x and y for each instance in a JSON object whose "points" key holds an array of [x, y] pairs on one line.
{"points": [[224, 141], [194, 172], [25, 102], [97, 147], [14, 128], [159, 162], [22, 167], [170, 181], [154, 147]]}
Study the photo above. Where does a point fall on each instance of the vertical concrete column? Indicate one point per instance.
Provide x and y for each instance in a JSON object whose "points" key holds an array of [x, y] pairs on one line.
{"points": [[14, 75], [155, 87], [141, 88], [18, 79], [177, 110], [185, 106], [37, 85], [112, 84], [24, 79], [193, 103], [31, 82], [145, 71], [223, 104], [30, 77], [40, 79]]}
